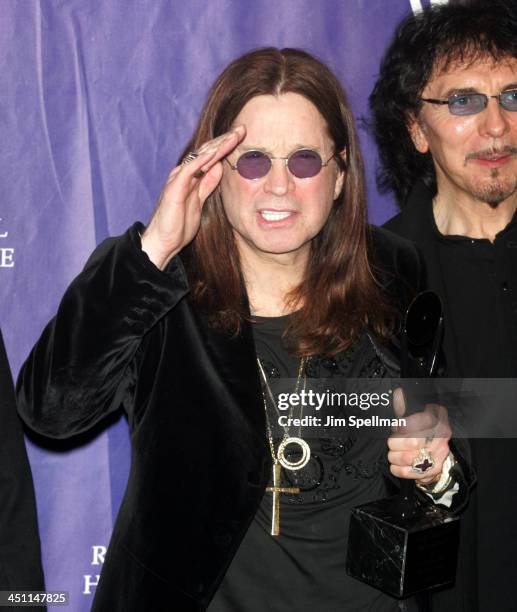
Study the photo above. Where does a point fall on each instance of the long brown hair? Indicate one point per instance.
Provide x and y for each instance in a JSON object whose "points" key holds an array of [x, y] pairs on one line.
{"points": [[338, 295]]}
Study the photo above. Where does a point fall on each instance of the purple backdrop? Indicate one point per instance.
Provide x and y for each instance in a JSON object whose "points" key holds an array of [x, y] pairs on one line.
{"points": [[97, 100]]}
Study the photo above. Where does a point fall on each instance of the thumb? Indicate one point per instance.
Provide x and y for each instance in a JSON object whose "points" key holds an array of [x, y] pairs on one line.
{"points": [[399, 402]]}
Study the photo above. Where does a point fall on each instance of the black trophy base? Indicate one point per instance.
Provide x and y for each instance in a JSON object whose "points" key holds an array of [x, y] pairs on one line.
{"points": [[402, 555]]}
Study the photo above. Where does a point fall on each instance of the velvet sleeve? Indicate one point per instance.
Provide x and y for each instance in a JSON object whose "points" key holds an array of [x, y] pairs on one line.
{"points": [[20, 563], [80, 369]]}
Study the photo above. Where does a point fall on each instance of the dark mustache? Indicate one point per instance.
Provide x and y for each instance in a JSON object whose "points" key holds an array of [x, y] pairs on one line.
{"points": [[508, 150]]}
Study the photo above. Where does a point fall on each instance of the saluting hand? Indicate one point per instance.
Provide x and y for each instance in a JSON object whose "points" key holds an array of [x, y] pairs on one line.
{"points": [[177, 216]]}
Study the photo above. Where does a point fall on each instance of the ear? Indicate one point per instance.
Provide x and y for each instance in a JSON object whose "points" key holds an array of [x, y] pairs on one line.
{"points": [[340, 181], [417, 133]]}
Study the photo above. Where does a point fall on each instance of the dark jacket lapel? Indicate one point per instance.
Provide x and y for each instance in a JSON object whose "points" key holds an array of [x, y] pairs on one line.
{"points": [[235, 359]]}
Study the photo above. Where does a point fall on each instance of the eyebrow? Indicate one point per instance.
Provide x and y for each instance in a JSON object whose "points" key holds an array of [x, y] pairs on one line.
{"points": [[460, 90], [466, 90], [248, 147]]}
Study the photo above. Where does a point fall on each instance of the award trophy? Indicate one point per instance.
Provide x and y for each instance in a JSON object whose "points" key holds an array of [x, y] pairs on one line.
{"points": [[403, 545]]}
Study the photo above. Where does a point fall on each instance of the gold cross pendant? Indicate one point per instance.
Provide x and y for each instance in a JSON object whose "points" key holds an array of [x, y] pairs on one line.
{"points": [[276, 489]]}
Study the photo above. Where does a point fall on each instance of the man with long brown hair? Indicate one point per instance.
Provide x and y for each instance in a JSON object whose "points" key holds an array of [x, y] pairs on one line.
{"points": [[256, 265]]}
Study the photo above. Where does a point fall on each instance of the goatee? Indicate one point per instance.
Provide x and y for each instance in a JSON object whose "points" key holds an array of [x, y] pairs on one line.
{"points": [[496, 192]]}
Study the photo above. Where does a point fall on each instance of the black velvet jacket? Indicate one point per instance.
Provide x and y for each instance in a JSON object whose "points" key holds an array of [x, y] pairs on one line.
{"points": [[126, 334], [20, 558]]}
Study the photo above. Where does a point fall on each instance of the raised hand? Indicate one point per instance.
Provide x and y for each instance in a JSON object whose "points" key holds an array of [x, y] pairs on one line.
{"points": [[177, 216]]}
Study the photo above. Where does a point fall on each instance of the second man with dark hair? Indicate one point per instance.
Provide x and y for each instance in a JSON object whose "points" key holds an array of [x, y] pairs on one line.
{"points": [[445, 120]]}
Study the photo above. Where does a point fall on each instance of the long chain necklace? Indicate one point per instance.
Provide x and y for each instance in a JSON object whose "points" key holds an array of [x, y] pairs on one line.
{"points": [[279, 458]]}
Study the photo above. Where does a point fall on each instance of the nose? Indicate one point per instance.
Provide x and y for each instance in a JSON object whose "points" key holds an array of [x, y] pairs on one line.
{"points": [[279, 180], [494, 120]]}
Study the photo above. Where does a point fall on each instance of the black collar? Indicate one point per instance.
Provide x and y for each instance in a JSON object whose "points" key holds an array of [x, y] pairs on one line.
{"points": [[419, 217]]}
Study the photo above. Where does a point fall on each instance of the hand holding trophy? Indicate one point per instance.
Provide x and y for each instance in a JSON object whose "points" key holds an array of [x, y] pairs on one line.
{"points": [[402, 545]]}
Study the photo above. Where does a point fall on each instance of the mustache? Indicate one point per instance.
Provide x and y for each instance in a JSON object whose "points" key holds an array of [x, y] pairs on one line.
{"points": [[492, 152]]}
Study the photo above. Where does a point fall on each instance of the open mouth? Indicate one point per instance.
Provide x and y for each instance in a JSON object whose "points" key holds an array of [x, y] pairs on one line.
{"points": [[275, 215]]}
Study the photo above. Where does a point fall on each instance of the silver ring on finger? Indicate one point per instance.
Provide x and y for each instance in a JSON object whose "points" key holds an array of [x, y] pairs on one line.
{"points": [[189, 157], [423, 462]]}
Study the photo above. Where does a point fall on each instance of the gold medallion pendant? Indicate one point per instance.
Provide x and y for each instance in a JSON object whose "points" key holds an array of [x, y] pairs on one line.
{"points": [[294, 465]]}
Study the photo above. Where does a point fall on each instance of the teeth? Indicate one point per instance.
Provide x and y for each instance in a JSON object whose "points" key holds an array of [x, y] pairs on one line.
{"points": [[270, 215]]}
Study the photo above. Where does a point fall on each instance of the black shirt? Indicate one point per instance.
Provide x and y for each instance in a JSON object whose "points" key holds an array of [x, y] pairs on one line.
{"points": [[477, 281], [481, 287], [480, 279], [303, 569]]}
